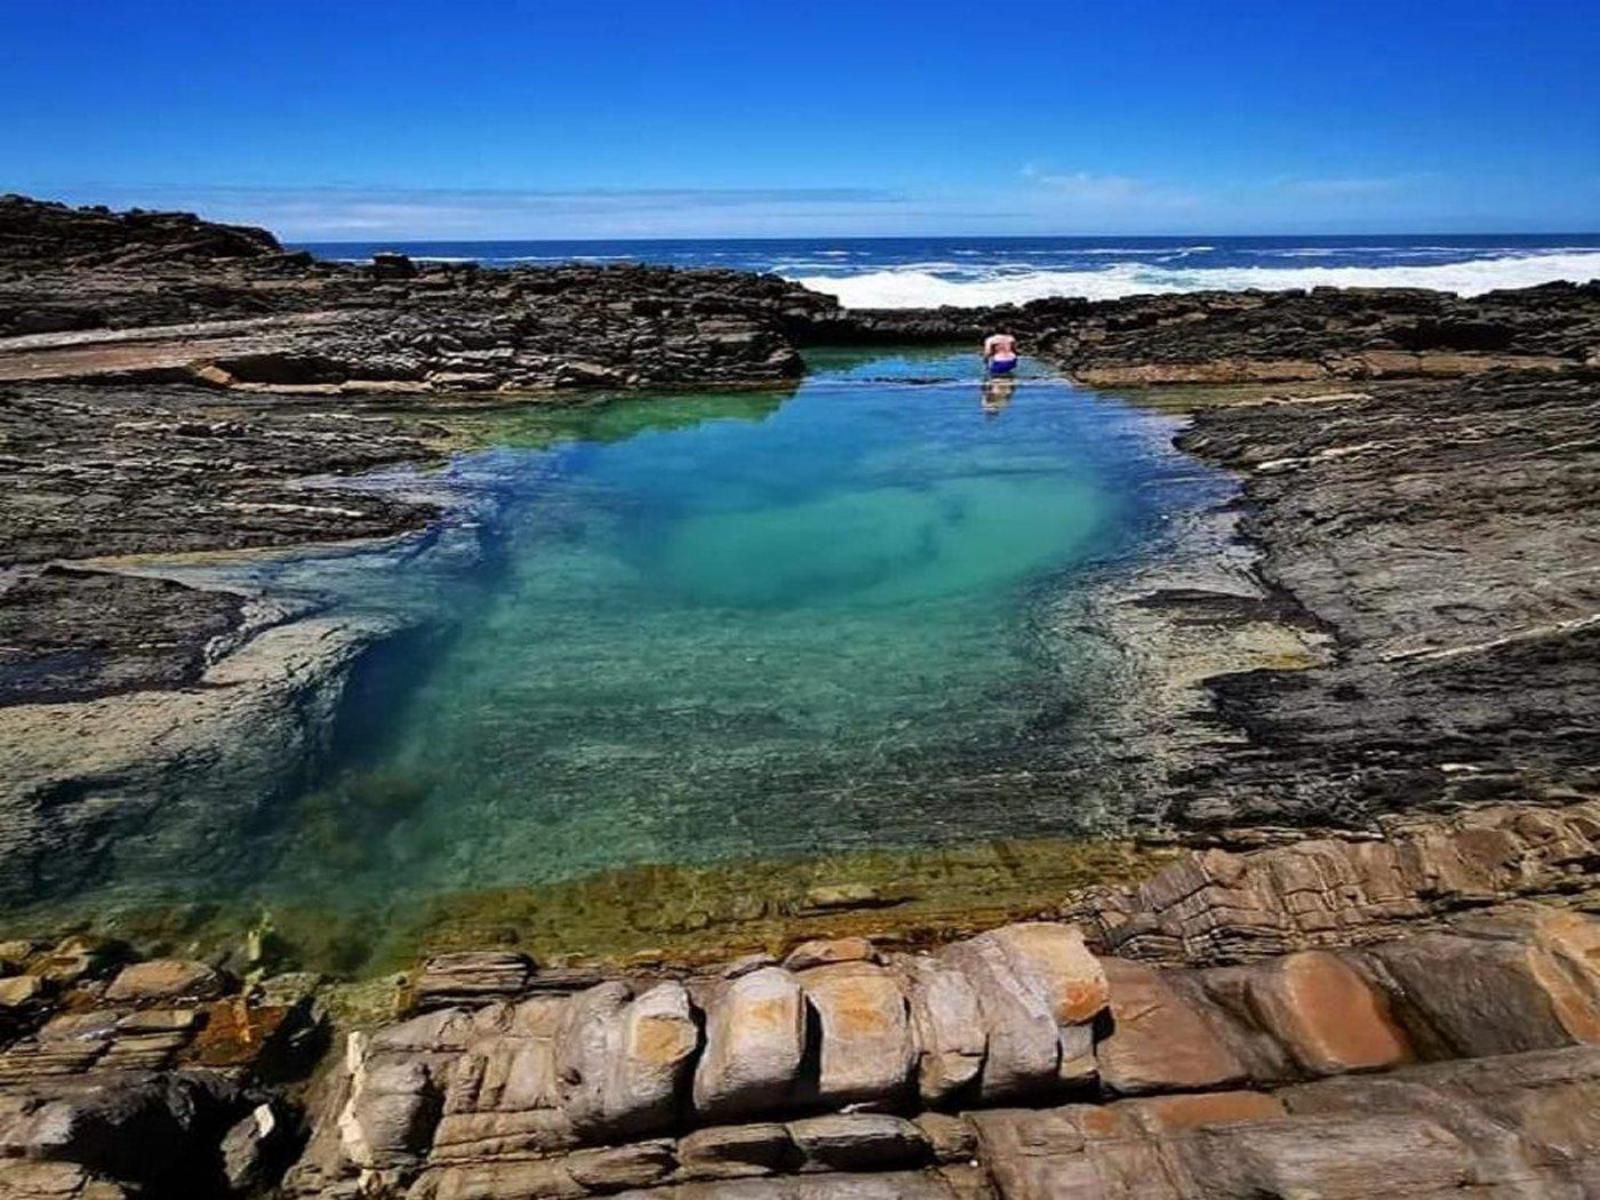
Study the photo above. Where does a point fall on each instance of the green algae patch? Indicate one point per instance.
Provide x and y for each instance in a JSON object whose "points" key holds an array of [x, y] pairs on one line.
{"points": [[653, 914], [693, 915], [664, 914]]}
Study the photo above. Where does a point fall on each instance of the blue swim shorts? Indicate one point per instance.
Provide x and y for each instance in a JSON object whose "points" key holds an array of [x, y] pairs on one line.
{"points": [[1002, 366]]}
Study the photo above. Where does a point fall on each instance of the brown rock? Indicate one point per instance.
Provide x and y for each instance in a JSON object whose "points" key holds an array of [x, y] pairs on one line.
{"points": [[1039, 1155], [1052, 961], [1515, 985], [1168, 1114], [1037, 989], [859, 1141], [236, 1034], [1332, 1158], [20, 991], [21, 1180], [77, 958], [14, 954], [1161, 1039], [825, 951], [1327, 1016], [159, 1020], [735, 1151], [471, 977], [166, 979], [510, 1180], [951, 1138], [615, 1168], [866, 1052]]}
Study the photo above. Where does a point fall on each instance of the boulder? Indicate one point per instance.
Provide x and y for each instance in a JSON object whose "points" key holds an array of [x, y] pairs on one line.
{"points": [[1326, 1015], [1052, 960], [866, 1052], [949, 1028], [735, 1151], [159, 1131], [1038, 989], [623, 1060], [503, 1094], [755, 1043], [1332, 1158], [77, 958], [859, 1142], [588, 1043], [165, 979], [255, 1149], [389, 1120], [21, 991], [614, 1168], [951, 1139], [826, 951], [1525, 981], [1161, 1039]]}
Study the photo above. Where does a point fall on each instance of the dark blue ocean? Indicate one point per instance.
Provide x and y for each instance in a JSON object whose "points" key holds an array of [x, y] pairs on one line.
{"points": [[913, 272]]}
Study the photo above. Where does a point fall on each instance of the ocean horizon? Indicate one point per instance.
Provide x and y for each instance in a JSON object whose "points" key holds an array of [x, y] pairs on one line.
{"points": [[880, 272]]}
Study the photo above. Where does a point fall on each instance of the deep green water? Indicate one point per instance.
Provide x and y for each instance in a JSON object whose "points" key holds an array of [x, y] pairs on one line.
{"points": [[731, 626]]}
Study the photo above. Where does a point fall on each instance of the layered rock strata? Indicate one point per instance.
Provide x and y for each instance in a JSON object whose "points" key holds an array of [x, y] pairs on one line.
{"points": [[890, 1074], [1336, 1018], [1443, 537], [162, 298], [1218, 906]]}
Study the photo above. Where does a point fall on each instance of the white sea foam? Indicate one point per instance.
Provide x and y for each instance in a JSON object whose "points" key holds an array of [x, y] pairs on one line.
{"points": [[914, 287]]}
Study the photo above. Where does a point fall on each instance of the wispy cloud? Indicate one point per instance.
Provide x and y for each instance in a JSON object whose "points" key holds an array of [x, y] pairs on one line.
{"points": [[365, 213], [1088, 191]]}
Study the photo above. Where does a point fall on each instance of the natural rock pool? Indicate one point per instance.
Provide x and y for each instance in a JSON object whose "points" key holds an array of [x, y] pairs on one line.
{"points": [[700, 628]]}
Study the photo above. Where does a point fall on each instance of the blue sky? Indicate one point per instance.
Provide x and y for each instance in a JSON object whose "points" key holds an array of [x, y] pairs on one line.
{"points": [[358, 120]]}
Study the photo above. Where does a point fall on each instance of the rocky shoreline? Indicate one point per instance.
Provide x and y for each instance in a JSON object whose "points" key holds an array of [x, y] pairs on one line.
{"points": [[1400, 660], [1415, 1014]]}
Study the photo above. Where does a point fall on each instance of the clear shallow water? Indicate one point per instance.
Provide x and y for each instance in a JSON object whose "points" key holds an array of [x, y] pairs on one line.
{"points": [[745, 627], [915, 272]]}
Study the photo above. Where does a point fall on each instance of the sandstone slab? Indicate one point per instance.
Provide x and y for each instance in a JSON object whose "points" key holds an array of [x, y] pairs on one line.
{"points": [[755, 1042]]}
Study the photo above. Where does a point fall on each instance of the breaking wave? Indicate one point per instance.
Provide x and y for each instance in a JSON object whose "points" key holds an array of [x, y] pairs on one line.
{"points": [[915, 286]]}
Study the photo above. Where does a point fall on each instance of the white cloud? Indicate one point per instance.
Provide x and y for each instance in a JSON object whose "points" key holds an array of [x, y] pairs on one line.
{"points": [[1088, 191], [365, 213]]}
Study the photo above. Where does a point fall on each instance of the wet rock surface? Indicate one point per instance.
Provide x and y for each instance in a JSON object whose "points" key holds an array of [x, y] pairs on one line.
{"points": [[1445, 536]]}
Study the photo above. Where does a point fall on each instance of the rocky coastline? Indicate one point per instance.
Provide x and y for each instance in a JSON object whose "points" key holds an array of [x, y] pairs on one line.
{"points": [[1372, 970]]}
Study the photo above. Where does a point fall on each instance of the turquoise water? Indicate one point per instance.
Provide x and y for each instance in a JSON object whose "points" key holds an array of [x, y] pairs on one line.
{"points": [[749, 626]]}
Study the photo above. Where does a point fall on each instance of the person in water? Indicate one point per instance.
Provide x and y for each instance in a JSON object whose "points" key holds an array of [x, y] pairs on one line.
{"points": [[1000, 353]]}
